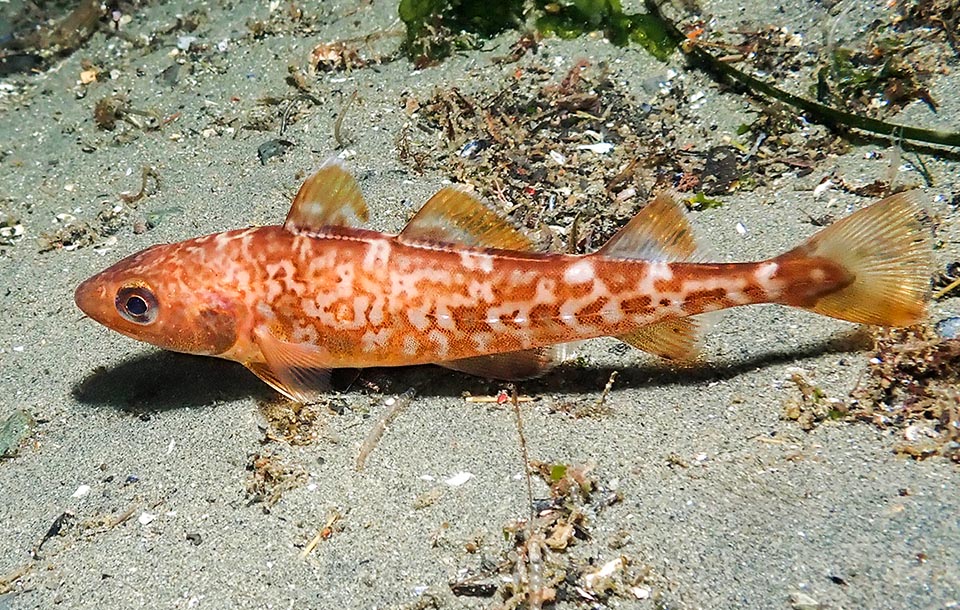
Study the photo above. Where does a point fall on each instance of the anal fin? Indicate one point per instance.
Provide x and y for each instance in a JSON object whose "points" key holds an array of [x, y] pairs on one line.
{"points": [[511, 366], [673, 339]]}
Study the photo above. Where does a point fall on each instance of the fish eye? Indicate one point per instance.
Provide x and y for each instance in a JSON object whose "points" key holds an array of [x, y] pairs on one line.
{"points": [[137, 304]]}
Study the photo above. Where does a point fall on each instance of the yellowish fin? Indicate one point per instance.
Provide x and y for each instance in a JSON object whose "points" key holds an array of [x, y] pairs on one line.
{"points": [[885, 248]]}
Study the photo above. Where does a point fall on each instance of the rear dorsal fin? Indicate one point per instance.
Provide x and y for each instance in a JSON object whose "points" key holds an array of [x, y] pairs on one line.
{"points": [[456, 216], [659, 232], [329, 198]]}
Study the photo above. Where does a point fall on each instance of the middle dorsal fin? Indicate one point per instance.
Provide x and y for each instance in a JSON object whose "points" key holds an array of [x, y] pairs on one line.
{"points": [[329, 198], [456, 216], [659, 232]]}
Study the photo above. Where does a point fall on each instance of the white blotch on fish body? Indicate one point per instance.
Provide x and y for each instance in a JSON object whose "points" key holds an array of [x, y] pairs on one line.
{"points": [[441, 344], [378, 254], [765, 273], [372, 340], [473, 261], [580, 272], [410, 345]]}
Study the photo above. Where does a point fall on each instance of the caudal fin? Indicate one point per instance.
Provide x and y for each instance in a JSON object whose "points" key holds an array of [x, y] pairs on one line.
{"points": [[886, 250]]}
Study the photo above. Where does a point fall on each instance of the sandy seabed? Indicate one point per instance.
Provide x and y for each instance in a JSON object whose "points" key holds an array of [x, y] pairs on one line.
{"points": [[154, 456]]}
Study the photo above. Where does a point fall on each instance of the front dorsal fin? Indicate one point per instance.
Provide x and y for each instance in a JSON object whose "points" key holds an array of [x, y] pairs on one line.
{"points": [[659, 232], [456, 216], [296, 370], [673, 339], [329, 198]]}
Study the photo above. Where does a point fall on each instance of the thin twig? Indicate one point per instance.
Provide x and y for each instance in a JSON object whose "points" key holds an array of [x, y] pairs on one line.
{"points": [[147, 172], [338, 124], [495, 399], [379, 427], [524, 454], [606, 390], [322, 534], [946, 289]]}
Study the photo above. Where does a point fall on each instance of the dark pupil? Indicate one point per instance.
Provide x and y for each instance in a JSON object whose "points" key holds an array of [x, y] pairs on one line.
{"points": [[136, 306]]}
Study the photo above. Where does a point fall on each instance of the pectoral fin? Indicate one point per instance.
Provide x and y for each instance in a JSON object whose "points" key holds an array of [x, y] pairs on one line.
{"points": [[296, 370]]}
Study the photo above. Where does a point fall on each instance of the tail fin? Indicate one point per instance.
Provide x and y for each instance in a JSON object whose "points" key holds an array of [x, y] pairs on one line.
{"points": [[886, 250]]}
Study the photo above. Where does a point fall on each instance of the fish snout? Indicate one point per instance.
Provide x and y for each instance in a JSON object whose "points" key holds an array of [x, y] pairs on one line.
{"points": [[90, 297]]}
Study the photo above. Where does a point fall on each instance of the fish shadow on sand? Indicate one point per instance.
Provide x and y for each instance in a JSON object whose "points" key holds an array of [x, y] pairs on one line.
{"points": [[160, 381], [651, 372]]}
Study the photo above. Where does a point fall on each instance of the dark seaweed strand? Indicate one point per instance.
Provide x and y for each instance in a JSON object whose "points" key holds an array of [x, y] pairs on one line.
{"points": [[815, 111]]}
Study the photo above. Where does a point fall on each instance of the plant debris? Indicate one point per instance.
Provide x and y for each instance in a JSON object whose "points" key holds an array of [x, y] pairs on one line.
{"points": [[437, 28], [113, 108], [539, 565], [570, 158], [911, 385], [938, 15], [521, 145], [112, 217], [844, 73], [813, 406], [292, 422], [270, 477], [947, 281]]}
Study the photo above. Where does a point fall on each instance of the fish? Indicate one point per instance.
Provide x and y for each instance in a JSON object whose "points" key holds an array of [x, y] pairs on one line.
{"points": [[460, 287]]}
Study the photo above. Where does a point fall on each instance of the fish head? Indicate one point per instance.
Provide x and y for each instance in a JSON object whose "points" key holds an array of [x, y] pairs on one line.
{"points": [[159, 297]]}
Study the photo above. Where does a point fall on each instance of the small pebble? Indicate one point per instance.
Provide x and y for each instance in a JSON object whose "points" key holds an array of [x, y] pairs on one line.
{"points": [[949, 328], [14, 430], [471, 148], [802, 601], [272, 148], [458, 479]]}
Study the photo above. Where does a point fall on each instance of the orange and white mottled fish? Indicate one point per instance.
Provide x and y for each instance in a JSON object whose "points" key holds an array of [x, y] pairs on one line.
{"points": [[461, 288]]}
